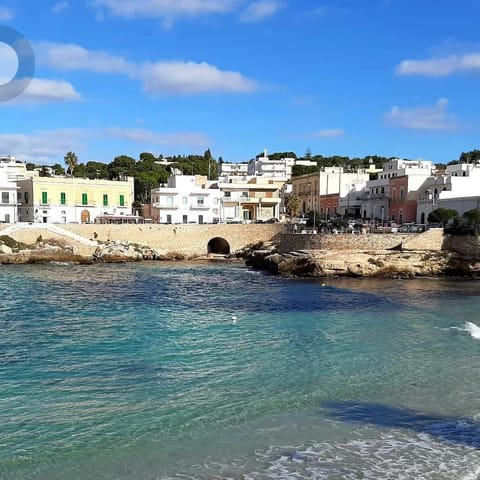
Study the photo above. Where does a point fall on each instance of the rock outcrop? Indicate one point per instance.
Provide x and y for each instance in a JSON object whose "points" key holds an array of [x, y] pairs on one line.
{"points": [[353, 263]]}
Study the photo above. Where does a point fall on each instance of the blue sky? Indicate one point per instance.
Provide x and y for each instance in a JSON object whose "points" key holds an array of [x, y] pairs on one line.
{"points": [[353, 77]]}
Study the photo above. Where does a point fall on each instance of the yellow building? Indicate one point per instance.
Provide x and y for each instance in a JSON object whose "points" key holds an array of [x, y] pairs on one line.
{"points": [[73, 200]]}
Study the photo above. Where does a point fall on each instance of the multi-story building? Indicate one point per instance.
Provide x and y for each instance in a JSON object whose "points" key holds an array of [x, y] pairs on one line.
{"points": [[233, 169], [279, 168], [393, 195], [187, 199], [250, 198], [331, 191], [12, 167], [460, 190], [8, 199], [73, 200]]}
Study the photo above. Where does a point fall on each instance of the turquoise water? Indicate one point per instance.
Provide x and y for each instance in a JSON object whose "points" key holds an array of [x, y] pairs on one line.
{"points": [[213, 371]]}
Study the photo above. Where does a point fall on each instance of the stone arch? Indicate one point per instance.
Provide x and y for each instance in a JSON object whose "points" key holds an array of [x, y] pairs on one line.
{"points": [[85, 216], [218, 245]]}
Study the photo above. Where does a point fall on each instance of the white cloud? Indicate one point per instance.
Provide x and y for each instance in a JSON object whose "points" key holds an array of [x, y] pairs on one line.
{"points": [[149, 137], [6, 14], [67, 56], [191, 78], [441, 66], [60, 6], [44, 90], [174, 77], [42, 147], [423, 118], [260, 10], [328, 133], [165, 9]]}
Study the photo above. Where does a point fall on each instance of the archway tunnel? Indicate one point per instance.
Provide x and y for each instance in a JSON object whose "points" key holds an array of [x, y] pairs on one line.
{"points": [[218, 245]]}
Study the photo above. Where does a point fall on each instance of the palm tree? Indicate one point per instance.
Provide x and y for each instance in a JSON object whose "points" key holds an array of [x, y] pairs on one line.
{"points": [[71, 160]]}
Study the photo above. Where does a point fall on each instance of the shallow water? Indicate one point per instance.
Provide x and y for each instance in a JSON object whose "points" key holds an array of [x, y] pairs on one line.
{"points": [[210, 370]]}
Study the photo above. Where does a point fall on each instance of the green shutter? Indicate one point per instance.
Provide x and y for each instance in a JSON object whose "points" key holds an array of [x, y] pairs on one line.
{"points": [[84, 199], [63, 198], [105, 199], [44, 197], [122, 200]]}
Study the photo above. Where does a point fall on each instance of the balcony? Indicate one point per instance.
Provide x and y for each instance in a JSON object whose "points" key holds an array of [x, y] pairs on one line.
{"points": [[161, 206]]}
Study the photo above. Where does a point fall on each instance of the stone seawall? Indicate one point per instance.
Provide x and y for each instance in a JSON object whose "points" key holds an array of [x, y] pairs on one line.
{"points": [[431, 240], [189, 240]]}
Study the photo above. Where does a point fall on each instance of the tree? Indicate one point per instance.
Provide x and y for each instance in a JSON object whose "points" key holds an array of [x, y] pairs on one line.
{"points": [[71, 160], [442, 216], [292, 206], [472, 218], [58, 169]]}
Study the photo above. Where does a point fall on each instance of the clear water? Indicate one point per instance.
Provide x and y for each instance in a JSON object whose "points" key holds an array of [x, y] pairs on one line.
{"points": [[213, 371]]}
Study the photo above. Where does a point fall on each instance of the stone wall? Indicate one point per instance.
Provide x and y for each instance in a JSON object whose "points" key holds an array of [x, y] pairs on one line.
{"points": [[368, 241], [189, 240], [465, 245], [431, 240]]}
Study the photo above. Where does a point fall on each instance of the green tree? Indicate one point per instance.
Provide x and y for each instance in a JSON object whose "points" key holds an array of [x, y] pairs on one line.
{"points": [[472, 218], [58, 169], [442, 216], [71, 160], [292, 205]]}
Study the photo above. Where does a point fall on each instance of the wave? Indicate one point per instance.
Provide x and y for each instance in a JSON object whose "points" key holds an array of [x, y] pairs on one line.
{"points": [[473, 330], [470, 327]]}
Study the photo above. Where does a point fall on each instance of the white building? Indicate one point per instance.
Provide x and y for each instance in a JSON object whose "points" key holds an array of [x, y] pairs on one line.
{"points": [[187, 199], [280, 168], [247, 199], [233, 169], [8, 199], [12, 167], [462, 191]]}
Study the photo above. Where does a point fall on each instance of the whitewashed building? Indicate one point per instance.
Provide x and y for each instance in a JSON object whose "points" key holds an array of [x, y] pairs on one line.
{"points": [[8, 199], [461, 191], [187, 199], [247, 199], [233, 169], [275, 168]]}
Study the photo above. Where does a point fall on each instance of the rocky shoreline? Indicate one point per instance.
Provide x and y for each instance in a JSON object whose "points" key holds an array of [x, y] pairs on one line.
{"points": [[363, 263], [394, 263]]}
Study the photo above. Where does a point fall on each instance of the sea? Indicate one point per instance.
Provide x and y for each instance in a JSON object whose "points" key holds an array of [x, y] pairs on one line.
{"points": [[210, 370]]}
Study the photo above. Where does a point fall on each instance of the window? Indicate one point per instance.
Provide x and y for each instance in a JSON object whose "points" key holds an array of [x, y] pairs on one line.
{"points": [[122, 200], [84, 198], [25, 195], [63, 198], [44, 197], [215, 201], [200, 219], [105, 199], [169, 200], [7, 218], [401, 195], [185, 219], [184, 200], [5, 197], [200, 200], [19, 197], [228, 194]]}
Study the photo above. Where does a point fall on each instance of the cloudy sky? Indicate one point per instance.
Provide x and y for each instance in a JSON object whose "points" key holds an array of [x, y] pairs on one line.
{"points": [[347, 77]]}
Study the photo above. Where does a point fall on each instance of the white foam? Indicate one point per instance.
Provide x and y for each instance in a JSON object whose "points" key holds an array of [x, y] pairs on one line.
{"points": [[473, 329]]}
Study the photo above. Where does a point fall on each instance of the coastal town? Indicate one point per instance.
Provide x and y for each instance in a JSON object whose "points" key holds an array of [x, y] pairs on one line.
{"points": [[399, 194]]}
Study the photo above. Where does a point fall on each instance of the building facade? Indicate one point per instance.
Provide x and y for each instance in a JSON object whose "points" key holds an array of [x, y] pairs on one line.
{"points": [[247, 199], [187, 199], [8, 199], [73, 200]]}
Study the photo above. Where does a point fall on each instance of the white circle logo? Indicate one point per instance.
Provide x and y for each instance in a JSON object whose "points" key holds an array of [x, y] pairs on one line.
{"points": [[26, 63]]}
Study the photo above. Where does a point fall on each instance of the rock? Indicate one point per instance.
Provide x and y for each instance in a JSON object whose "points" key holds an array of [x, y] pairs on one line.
{"points": [[4, 249], [383, 263]]}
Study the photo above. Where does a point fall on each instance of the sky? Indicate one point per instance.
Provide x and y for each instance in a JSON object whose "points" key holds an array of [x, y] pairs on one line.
{"points": [[338, 77]]}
